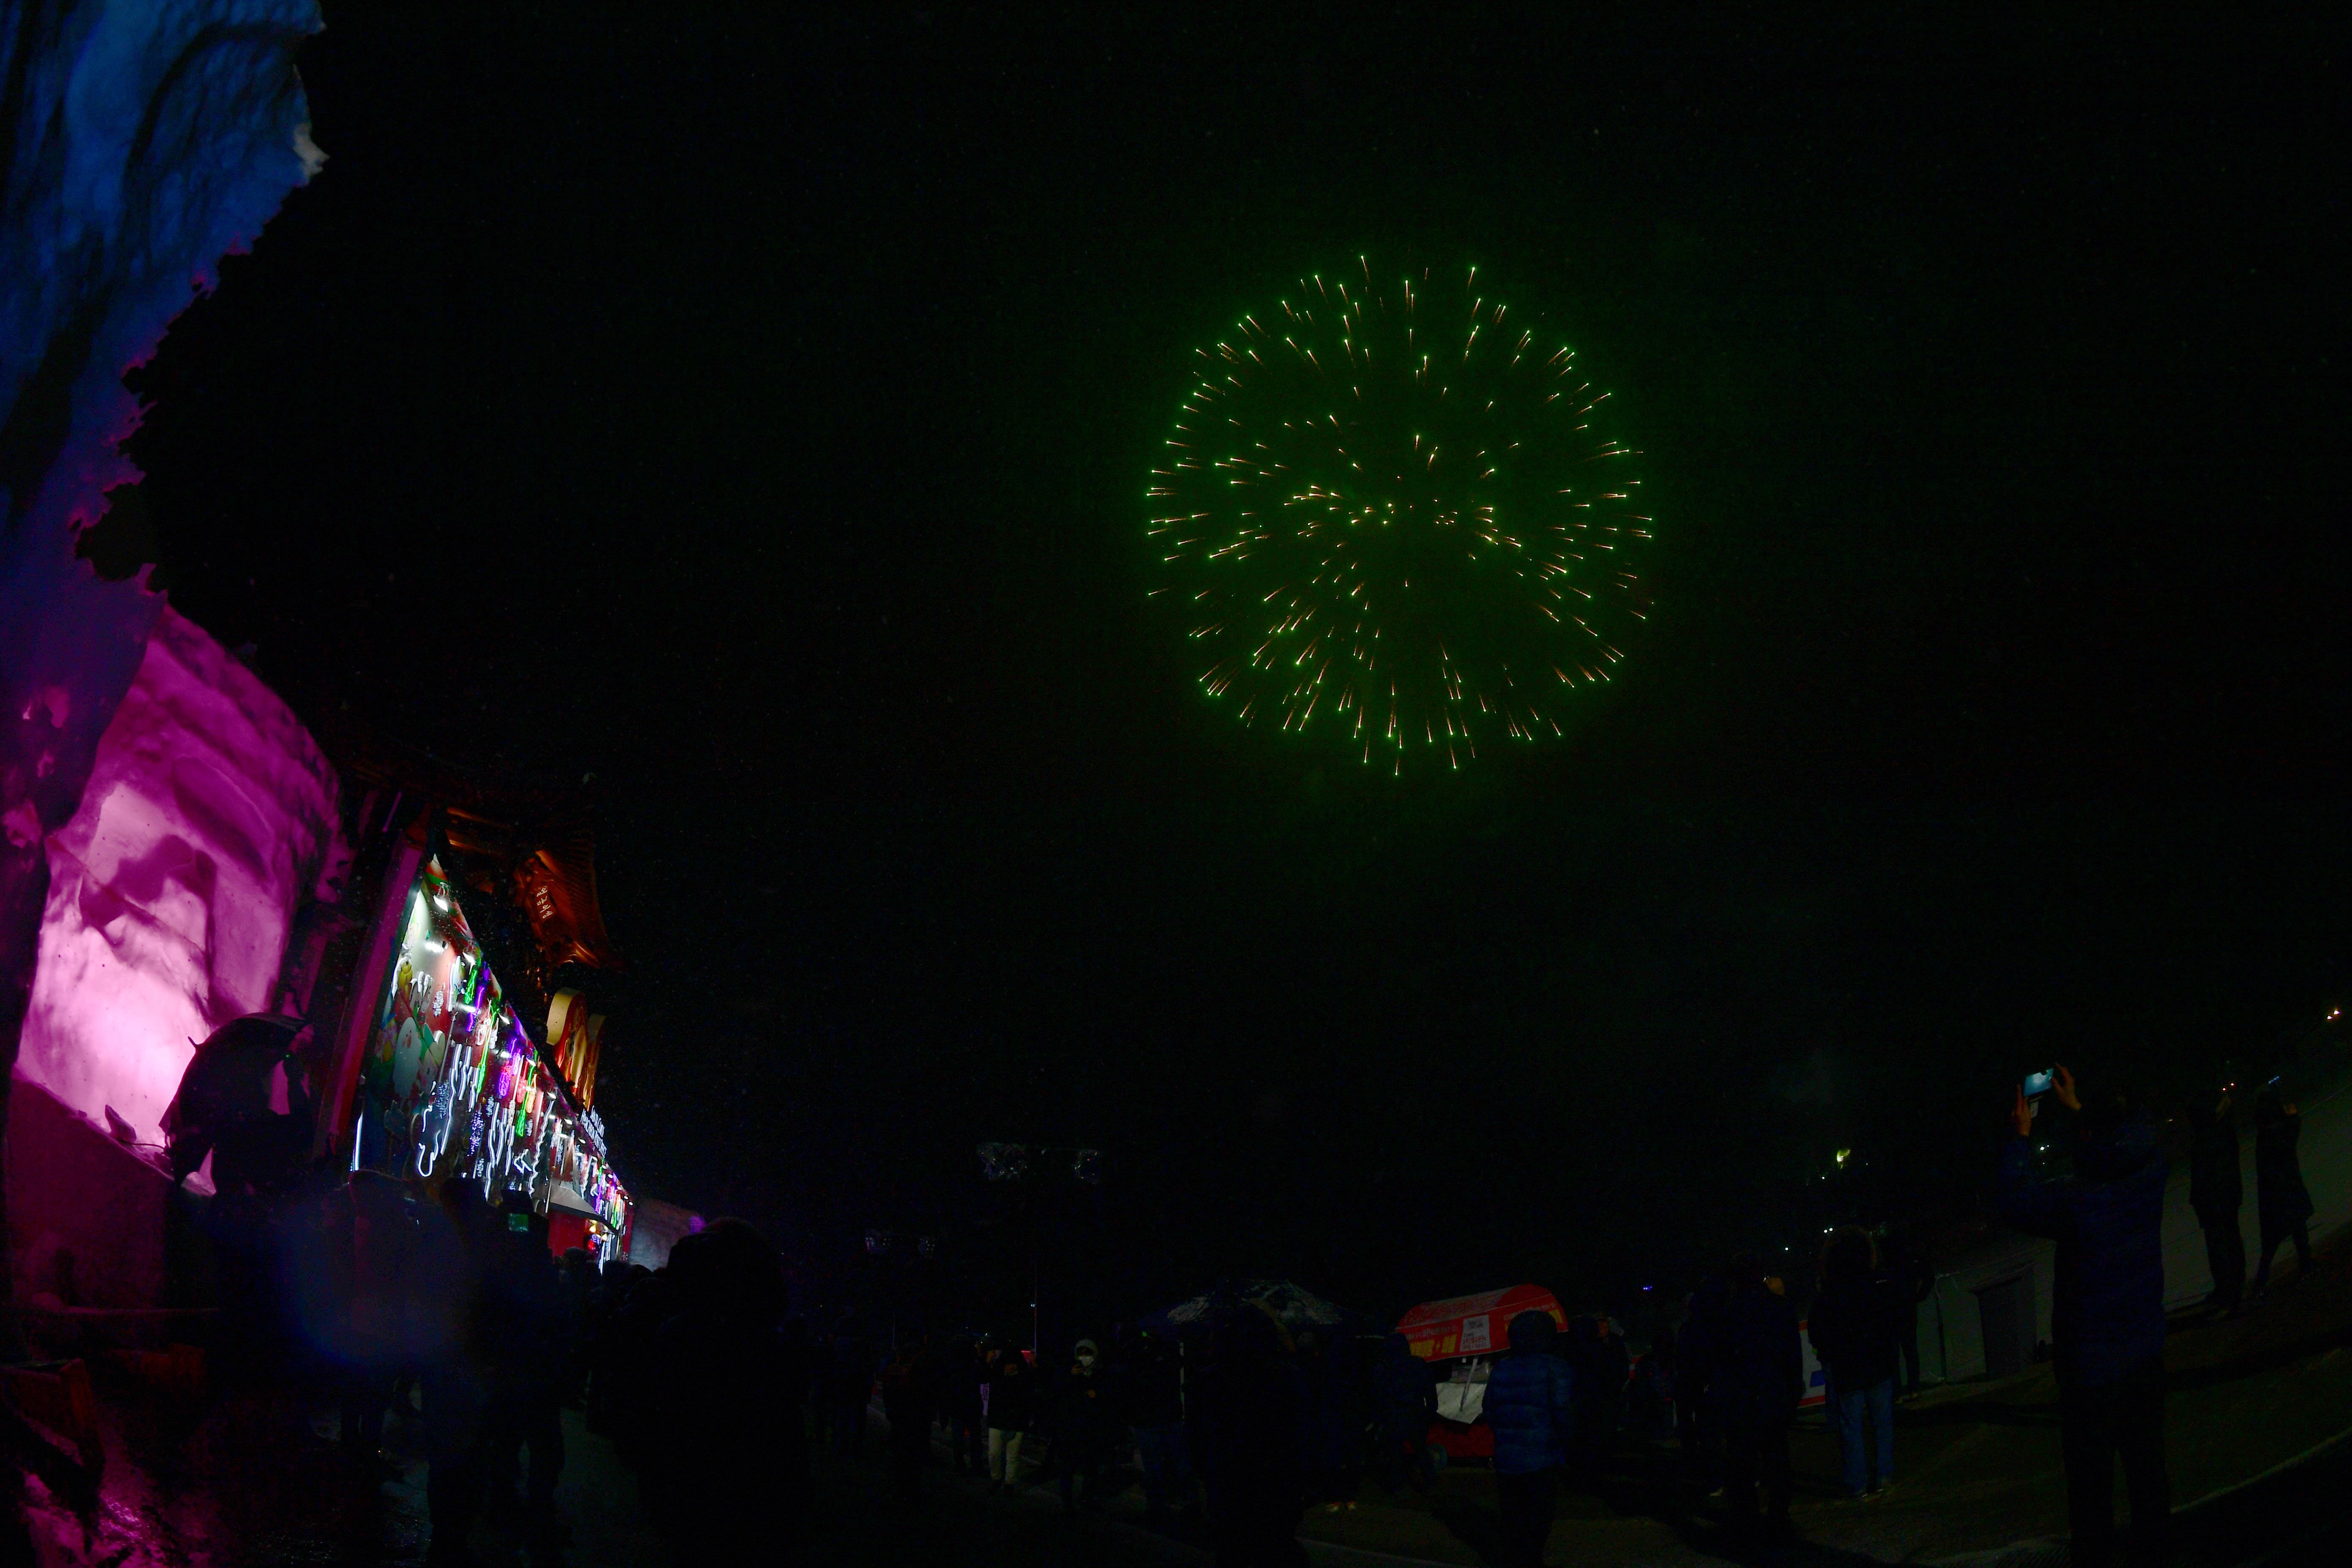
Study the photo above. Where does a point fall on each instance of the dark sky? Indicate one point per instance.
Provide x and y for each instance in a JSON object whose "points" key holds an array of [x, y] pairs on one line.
{"points": [[757, 419]]}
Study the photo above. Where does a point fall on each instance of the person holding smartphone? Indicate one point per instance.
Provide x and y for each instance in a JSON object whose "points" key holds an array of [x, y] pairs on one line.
{"points": [[2281, 1200], [2107, 1318], [2217, 1191]]}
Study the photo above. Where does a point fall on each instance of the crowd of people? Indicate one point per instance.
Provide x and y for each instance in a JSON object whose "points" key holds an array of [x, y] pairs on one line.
{"points": [[1248, 1422], [2105, 1210], [1732, 1375], [450, 1313], [995, 1406], [446, 1310], [454, 1312], [1254, 1422], [1726, 1385], [1243, 1425], [2217, 1189]]}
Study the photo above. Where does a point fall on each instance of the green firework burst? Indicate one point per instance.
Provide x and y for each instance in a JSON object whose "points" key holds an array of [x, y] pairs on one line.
{"points": [[1395, 516]]}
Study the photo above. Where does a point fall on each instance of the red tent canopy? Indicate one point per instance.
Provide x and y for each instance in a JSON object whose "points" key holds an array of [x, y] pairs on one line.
{"points": [[1473, 1325]]}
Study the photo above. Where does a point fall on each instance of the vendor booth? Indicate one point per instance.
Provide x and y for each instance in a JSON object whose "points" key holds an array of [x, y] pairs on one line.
{"points": [[451, 1085], [1461, 1337]]}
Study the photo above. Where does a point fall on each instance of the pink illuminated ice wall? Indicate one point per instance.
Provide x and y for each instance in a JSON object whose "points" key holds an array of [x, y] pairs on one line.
{"points": [[208, 821]]}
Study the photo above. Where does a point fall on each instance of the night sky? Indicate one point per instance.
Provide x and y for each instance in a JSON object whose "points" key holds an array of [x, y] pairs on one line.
{"points": [[757, 421]]}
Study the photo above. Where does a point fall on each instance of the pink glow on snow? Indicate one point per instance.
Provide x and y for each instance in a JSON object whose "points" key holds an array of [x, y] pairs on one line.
{"points": [[208, 819]]}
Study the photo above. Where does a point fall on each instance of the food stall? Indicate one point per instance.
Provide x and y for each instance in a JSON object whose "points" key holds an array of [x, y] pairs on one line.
{"points": [[453, 1085], [1461, 1337]]}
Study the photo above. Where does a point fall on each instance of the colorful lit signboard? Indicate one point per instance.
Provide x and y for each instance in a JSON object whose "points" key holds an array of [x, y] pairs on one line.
{"points": [[452, 1085]]}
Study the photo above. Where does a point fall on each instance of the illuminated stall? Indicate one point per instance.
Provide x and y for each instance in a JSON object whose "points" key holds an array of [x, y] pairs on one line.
{"points": [[453, 1085]]}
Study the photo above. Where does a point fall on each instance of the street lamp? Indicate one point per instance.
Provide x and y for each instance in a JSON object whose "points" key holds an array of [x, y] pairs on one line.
{"points": [[1004, 1162], [1013, 1162]]}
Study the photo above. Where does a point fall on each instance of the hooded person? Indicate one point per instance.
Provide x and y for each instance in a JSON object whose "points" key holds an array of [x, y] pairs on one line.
{"points": [[849, 1387], [1601, 1366], [730, 1453], [1756, 1379], [2106, 1312], [1151, 1403], [1531, 1409], [909, 1404], [960, 1404], [1854, 1326], [531, 1334], [369, 1245], [623, 1396], [1335, 1419], [1698, 1393], [1083, 1415], [1011, 1412], [457, 1240], [1913, 1273], [1649, 1394], [1404, 1400], [1250, 1414]]}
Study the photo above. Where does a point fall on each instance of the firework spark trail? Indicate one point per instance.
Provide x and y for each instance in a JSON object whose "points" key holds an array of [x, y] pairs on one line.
{"points": [[1390, 544]]}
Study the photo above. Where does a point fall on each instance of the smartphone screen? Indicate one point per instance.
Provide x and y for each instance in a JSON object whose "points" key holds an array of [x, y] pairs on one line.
{"points": [[2037, 1084]]}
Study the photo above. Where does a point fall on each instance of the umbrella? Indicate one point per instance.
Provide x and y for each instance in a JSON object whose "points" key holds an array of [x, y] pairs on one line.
{"points": [[242, 1101], [1287, 1304]]}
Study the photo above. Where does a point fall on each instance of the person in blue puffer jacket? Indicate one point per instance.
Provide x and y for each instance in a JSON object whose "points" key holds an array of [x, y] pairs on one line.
{"points": [[1530, 1407], [2107, 1312]]}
